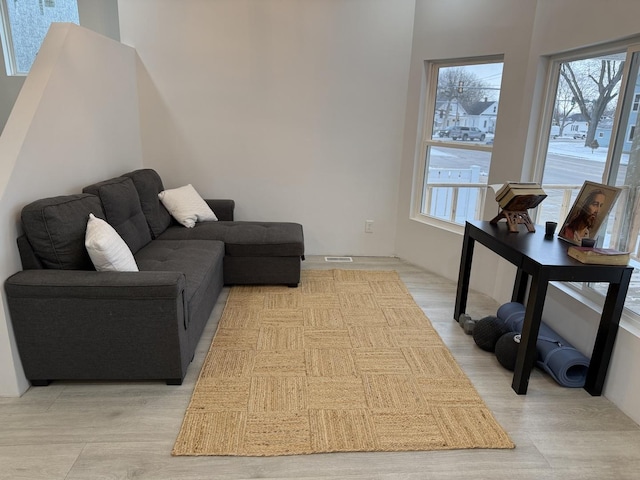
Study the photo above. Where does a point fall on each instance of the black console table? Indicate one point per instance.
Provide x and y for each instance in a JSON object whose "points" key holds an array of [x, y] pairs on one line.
{"points": [[543, 258]]}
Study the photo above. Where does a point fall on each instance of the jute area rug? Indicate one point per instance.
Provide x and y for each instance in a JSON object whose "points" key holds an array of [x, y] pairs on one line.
{"points": [[346, 362]]}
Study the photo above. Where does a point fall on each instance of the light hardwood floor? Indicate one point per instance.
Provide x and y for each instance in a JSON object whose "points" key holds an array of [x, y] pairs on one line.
{"points": [[113, 430]]}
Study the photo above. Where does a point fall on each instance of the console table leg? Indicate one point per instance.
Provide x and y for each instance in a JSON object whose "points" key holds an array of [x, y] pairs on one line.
{"points": [[528, 352], [464, 274], [606, 336]]}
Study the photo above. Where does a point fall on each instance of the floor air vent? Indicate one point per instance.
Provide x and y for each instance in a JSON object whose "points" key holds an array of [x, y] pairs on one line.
{"points": [[338, 259]]}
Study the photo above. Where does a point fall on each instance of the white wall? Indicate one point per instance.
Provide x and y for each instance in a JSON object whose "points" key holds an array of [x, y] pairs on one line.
{"points": [[525, 32], [75, 122], [446, 29], [10, 88], [101, 16], [294, 109]]}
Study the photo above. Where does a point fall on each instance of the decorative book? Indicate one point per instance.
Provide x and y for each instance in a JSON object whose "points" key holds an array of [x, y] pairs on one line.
{"points": [[520, 196], [515, 198], [598, 256], [500, 192]]}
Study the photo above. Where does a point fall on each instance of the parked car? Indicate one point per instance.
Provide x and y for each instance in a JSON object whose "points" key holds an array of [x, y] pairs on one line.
{"points": [[445, 131], [466, 133]]}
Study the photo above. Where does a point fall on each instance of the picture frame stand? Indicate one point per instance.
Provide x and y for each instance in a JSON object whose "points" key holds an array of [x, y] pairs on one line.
{"points": [[513, 219]]}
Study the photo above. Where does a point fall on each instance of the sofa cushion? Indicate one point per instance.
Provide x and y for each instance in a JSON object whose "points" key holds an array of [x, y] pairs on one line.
{"points": [[123, 211], [187, 206], [264, 239], [55, 228], [247, 239], [199, 260], [149, 184], [107, 250]]}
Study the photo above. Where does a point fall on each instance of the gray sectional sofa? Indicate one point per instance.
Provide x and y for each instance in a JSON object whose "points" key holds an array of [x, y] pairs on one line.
{"points": [[72, 322]]}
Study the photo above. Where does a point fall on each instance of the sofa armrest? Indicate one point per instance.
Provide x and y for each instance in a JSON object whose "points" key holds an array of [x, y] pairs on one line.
{"points": [[72, 324], [222, 208], [44, 283]]}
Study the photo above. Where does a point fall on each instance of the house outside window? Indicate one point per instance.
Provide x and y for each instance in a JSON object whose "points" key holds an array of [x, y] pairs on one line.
{"points": [[24, 25], [461, 111]]}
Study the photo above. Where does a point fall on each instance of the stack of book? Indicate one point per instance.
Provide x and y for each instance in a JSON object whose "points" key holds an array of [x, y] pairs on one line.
{"points": [[598, 256], [520, 196]]}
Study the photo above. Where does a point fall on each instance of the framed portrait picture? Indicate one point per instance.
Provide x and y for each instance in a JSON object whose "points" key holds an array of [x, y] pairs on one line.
{"points": [[591, 208]]}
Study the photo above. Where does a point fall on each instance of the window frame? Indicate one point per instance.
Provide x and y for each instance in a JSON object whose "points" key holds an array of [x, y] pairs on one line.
{"points": [[624, 106], [425, 141], [7, 42]]}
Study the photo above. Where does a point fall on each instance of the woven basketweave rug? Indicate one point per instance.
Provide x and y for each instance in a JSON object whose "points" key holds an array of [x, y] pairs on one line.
{"points": [[346, 362]]}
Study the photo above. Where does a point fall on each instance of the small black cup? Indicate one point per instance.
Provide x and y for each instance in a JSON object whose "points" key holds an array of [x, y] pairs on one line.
{"points": [[550, 228]]}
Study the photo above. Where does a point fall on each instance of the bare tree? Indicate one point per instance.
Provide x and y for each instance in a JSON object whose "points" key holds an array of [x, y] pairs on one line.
{"points": [[593, 83]]}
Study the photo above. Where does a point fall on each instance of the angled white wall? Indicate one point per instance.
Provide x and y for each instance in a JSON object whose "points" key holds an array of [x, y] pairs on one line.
{"points": [[75, 122], [294, 109], [441, 31]]}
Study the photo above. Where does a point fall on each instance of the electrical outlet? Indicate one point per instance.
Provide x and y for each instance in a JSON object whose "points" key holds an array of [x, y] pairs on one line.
{"points": [[368, 226]]}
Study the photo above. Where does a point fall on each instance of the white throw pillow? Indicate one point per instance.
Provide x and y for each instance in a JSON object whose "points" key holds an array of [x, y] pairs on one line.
{"points": [[186, 206], [107, 249]]}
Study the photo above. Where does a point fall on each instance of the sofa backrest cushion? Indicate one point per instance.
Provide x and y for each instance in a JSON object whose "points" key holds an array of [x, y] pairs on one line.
{"points": [[55, 228], [122, 210], [149, 184]]}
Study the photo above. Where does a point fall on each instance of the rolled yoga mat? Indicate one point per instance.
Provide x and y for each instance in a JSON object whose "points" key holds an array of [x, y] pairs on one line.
{"points": [[556, 356]]}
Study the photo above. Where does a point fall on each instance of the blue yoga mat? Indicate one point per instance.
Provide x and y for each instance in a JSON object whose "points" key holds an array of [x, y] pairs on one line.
{"points": [[556, 356]]}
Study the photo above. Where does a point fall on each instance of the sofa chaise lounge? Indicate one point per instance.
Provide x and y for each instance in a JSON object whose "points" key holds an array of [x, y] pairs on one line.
{"points": [[72, 322]]}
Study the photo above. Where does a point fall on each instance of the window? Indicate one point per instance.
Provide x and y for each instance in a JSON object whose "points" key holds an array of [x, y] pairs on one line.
{"points": [[460, 118], [24, 26], [593, 107], [586, 93]]}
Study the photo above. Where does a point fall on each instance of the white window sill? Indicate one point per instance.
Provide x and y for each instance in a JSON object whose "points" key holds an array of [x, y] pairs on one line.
{"points": [[628, 320]]}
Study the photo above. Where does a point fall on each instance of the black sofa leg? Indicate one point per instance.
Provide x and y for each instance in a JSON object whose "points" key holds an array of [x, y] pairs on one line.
{"points": [[174, 381], [292, 285], [40, 383]]}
